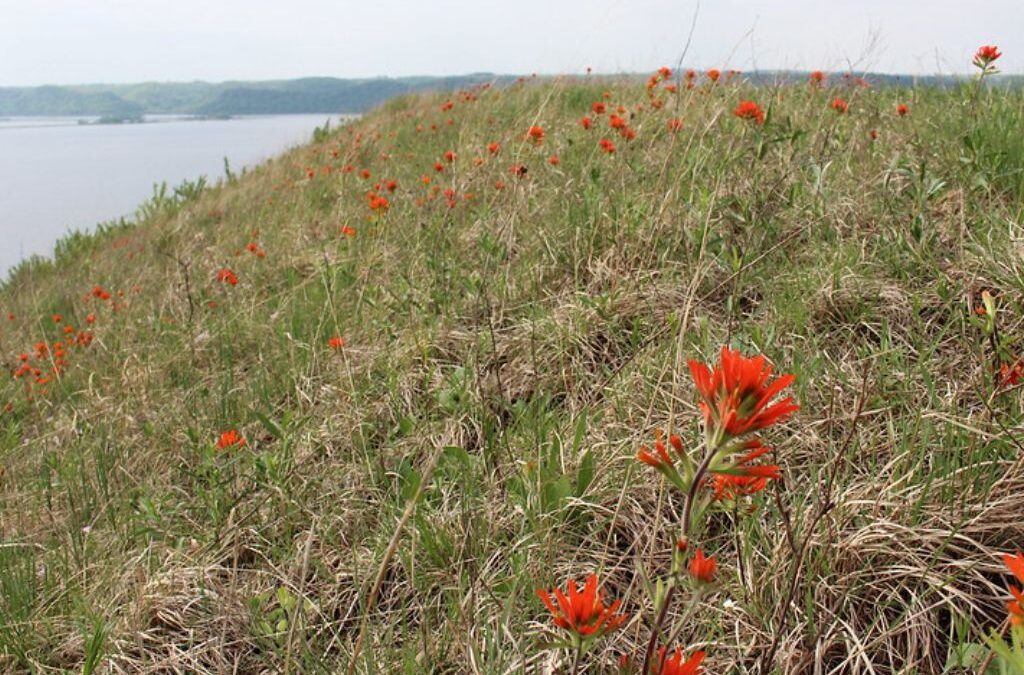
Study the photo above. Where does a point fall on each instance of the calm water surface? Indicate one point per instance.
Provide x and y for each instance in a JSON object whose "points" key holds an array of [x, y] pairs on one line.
{"points": [[57, 175]]}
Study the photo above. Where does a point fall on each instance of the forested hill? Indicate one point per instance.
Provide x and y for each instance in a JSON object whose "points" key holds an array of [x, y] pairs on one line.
{"points": [[307, 95]]}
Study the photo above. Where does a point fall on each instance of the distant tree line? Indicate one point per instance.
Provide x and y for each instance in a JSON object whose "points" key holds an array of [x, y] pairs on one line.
{"points": [[307, 95]]}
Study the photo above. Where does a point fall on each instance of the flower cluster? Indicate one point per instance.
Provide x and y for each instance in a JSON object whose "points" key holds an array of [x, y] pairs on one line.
{"points": [[737, 396]]}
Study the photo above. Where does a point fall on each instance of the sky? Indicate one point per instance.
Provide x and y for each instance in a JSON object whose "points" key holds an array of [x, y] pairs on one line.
{"points": [[120, 41]]}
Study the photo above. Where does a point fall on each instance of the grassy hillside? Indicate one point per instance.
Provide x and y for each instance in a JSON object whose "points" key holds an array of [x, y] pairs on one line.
{"points": [[514, 323]]}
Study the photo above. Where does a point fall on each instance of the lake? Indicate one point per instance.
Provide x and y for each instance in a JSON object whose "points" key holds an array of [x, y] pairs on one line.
{"points": [[58, 175]]}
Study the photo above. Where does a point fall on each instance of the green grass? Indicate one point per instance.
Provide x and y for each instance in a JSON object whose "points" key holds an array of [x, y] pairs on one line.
{"points": [[504, 359]]}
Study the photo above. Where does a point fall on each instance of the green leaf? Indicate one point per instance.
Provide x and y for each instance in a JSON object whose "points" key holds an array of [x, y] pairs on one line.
{"points": [[272, 427], [585, 475]]}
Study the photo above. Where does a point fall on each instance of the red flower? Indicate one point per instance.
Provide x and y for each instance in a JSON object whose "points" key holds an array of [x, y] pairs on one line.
{"points": [[839, 105], [378, 203], [714, 74], [230, 438], [391, 185], [617, 122], [874, 134], [536, 133], [586, 122], [662, 459], [336, 342], [1010, 375], [675, 665], [985, 55], [1016, 606], [675, 125], [227, 276], [598, 108], [902, 109], [741, 478], [607, 145], [737, 395], [817, 77], [449, 156], [582, 613], [703, 568], [553, 160], [517, 170], [438, 167], [348, 230], [748, 110], [665, 72], [494, 148], [365, 173]]}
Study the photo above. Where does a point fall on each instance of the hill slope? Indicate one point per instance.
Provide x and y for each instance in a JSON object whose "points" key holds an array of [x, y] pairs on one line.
{"points": [[514, 322]]}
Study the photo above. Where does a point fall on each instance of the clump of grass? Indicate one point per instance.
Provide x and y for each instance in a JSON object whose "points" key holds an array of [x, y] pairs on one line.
{"points": [[504, 352]]}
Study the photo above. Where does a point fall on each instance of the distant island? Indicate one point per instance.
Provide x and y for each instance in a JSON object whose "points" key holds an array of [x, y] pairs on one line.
{"points": [[205, 100], [130, 102]]}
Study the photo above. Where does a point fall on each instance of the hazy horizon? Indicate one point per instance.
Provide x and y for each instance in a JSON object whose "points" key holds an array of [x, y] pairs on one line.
{"points": [[120, 42]]}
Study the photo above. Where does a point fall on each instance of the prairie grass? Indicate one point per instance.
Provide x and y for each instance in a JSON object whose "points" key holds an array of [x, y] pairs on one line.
{"points": [[505, 353]]}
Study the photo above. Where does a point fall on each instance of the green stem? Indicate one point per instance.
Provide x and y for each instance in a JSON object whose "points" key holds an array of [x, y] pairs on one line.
{"points": [[691, 497]]}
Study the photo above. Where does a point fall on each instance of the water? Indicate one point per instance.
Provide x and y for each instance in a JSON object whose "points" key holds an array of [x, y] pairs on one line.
{"points": [[57, 175]]}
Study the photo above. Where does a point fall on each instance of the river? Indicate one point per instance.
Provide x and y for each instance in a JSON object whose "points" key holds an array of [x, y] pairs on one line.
{"points": [[58, 175]]}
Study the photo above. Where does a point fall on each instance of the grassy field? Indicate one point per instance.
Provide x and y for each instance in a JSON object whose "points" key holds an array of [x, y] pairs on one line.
{"points": [[514, 323]]}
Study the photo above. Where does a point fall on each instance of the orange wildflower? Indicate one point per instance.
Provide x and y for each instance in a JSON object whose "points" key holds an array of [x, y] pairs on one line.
{"points": [[607, 145], [714, 74], [536, 134], [675, 124], [229, 439], [737, 395], [902, 109], [817, 78], [748, 110], [336, 342], [840, 105], [553, 160], [494, 148], [661, 459], [582, 612], [741, 477], [703, 568], [586, 122], [227, 276], [985, 55], [675, 664], [1016, 606]]}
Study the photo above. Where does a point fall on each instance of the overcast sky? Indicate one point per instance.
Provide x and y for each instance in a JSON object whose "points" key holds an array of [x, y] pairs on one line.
{"points": [[80, 41]]}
